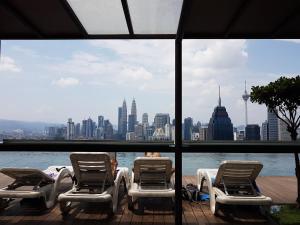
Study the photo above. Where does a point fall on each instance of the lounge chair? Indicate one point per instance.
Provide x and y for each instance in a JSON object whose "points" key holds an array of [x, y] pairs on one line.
{"points": [[33, 184], [94, 181], [233, 184], [151, 177]]}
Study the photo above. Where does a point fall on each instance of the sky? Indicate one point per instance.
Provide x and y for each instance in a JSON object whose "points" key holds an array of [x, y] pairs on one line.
{"points": [[52, 81]]}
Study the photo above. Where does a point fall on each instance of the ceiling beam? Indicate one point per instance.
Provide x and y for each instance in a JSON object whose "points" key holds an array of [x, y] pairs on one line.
{"points": [[285, 21], [180, 31], [21, 17], [236, 16], [127, 16], [74, 18]]}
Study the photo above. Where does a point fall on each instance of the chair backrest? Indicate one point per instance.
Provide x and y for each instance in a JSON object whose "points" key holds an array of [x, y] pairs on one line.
{"points": [[92, 168], [155, 165], [27, 176], [237, 170]]}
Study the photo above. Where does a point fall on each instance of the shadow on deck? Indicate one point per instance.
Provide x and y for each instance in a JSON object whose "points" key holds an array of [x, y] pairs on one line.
{"points": [[156, 212]]}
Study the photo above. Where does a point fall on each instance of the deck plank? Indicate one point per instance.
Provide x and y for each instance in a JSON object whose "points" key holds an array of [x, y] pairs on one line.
{"points": [[280, 189]]}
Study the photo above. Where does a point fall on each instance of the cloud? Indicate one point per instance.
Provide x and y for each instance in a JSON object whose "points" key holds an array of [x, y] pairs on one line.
{"points": [[138, 73], [66, 82], [8, 64], [25, 51], [296, 41]]}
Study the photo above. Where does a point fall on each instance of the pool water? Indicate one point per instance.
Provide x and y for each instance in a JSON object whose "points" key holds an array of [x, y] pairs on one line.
{"points": [[274, 164]]}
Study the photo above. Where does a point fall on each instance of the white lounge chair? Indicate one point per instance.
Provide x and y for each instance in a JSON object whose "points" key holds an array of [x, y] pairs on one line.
{"points": [[233, 184], [151, 177], [33, 184], [94, 182]]}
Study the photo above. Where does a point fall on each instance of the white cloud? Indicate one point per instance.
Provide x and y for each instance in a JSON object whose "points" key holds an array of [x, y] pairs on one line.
{"points": [[66, 82], [25, 51], [135, 74], [8, 64], [296, 41]]}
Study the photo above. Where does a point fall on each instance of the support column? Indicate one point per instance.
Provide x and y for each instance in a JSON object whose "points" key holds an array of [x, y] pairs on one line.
{"points": [[178, 130]]}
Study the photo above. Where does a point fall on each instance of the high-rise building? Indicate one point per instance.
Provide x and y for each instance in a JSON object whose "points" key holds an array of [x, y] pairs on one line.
{"points": [[119, 120], [252, 132], [265, 131], [134, 111], [131, 123], [108, 130], [272, 126], [168, 131], [203, 133], [89, 128], [245, 97], [220, 126], [187, 129], [161, 119], [70, 130], [77, 130], [84, 128], [100, 121], [145, 118], [124, 120], [139, 132], [283, 134]]}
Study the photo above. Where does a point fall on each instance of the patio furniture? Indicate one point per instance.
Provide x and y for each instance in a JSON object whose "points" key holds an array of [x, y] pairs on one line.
{"points": [[151, 177], [33, 184], [233, 184], [94, 181]]}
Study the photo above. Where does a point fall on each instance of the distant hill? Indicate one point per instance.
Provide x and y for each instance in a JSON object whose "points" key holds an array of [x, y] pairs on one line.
{"points": [[10, 125]]}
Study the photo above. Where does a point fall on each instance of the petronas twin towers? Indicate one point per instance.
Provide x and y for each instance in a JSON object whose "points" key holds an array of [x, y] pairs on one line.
{"points": [[122, 119]]}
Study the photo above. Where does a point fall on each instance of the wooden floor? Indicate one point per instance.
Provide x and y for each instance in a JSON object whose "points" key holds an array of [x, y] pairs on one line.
{"points": [[281, 189]]}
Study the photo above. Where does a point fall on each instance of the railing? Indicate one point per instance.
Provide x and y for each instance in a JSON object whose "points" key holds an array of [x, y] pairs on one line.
{"points": [[185, 147]]}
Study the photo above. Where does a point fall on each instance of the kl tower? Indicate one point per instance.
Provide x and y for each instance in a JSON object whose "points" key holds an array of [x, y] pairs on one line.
{"points": [[245, 98]]}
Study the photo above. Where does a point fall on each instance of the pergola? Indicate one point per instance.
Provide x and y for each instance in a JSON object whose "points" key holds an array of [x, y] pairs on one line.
{"points": [[151, 19]]}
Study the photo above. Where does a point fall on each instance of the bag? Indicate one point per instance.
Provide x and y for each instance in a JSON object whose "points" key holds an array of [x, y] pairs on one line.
{"points": [[190, 192]]}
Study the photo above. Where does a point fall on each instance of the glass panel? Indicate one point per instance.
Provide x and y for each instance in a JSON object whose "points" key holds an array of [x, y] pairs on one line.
{"points": [[100, 17], [155, 16], [218, 77], [87, 90]]}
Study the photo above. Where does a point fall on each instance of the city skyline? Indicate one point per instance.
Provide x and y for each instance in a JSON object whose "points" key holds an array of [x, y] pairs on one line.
{"points": [[55, 80]]}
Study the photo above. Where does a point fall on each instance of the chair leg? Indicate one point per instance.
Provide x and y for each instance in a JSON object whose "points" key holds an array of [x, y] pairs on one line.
{"points": [[3, 204], [130, 203], [65, 207], [110, 212]]}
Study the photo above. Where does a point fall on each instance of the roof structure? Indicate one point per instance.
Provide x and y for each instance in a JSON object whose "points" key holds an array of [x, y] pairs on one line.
{"points": [[155, 19]]}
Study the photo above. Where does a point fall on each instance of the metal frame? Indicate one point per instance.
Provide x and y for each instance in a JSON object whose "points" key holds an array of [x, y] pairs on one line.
{"points": [[178, 147]]}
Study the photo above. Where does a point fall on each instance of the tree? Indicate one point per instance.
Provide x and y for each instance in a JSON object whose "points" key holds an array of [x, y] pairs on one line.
{"points": [[283, 98]]}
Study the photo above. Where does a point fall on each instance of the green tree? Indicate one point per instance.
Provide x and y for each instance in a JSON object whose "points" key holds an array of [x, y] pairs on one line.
{"points": [[283, 98]]}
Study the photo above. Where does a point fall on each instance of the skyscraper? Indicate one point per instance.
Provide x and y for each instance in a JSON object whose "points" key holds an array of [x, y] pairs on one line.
{"points": [[220, 126], [83, 128], [252, 132], [272, 126], [161, 119], [283, 134], [89, 128], [134, 111], [245, 97], [100, 121], [187, 129], [124, 120], [132, 118], [131, 123], [77, 130], [145, 118], [70, 130], [108, 130], [119, 120], [265, 131]]}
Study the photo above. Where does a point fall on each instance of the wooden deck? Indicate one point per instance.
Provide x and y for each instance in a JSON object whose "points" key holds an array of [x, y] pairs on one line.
{"points": [[281, 189]]}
